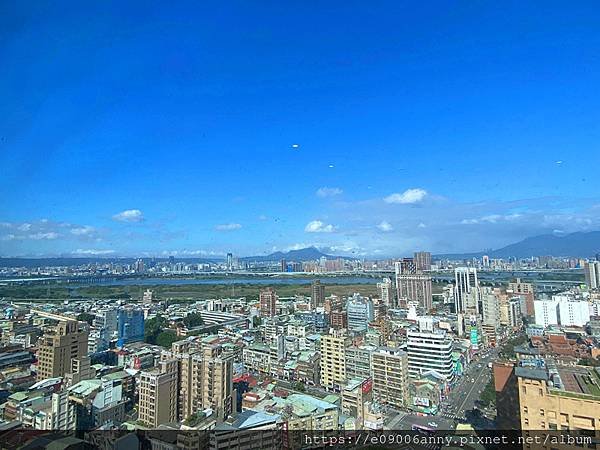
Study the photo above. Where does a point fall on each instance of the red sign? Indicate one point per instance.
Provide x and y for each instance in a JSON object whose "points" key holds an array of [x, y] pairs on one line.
{"points": [[367, 386]]}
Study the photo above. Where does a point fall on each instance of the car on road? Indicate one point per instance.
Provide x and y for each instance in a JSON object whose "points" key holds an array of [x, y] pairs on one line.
{"points": [[432, 424]]}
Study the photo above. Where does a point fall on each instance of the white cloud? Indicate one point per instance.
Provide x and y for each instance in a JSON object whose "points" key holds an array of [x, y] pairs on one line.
{"points": [[328, 191], [25, 227], [263, 217], [410, 196], [191, 253], [385, 226], [85, 230], [492, 218], [316, 226], [92, 252], [421, 225], [228, 227], [43, 236], [129, 215]]}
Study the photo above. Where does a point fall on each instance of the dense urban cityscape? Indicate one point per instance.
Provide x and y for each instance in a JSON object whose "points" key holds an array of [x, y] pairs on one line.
{"points": [[440, 345]]}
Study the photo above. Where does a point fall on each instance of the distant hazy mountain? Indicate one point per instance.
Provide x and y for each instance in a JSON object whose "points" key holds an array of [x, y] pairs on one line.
{"points": [[69, 261], [303, 254], [578, 244]]}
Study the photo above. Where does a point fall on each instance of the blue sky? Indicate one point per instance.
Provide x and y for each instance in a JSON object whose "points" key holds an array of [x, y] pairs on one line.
{"points": [[195, 129]]}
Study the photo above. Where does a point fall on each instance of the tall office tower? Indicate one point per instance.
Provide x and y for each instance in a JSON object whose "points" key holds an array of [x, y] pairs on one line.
{"points": [[429, 352], [360, 312], [422, 261], [229, 261], [466, 281], [525, 290], [283, 265], [130, 325], [268, 302], [385, 292], [68, 340], [333, 359], [485, 261], [390, 376], [317, 296], [591, 271], [158, 394], [414, 288]]}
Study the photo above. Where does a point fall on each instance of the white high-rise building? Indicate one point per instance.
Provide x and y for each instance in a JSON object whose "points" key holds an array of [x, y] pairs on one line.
{"points": [[546, 311], [591, 271], [429, 352], [465, 283], [515, 314], [573, 312], [385, 292]]}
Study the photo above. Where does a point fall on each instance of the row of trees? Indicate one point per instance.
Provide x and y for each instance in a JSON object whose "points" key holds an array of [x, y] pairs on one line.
{"points": [[157, 331]]}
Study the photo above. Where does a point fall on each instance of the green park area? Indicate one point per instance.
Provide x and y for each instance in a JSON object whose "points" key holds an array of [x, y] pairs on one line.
{"points": [[177, 292]]}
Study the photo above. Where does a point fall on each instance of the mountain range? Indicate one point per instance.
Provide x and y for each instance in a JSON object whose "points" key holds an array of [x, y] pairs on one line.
{"points": [[580, 244]]}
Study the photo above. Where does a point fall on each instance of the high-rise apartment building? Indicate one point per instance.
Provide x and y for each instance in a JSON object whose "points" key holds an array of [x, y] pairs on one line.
{"points": [[515, 315], [317, 296], [422, 261], [385, 292], [465, 283], [490, 308], [358, 361], [65, 342], [158, 394], [429, 352], [333, 359], [390, 376], [591, 271], [415, 288], [268, 302]]}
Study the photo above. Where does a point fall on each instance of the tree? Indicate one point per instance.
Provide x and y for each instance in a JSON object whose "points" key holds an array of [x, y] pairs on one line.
{"points": [[488, 396], [153, 327], [193, 320], [166, 338], [593, 362], [300, 387], [86, 317]]}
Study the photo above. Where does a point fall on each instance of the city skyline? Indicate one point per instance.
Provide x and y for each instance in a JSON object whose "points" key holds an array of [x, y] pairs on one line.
{"points": [[194, 130]]}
